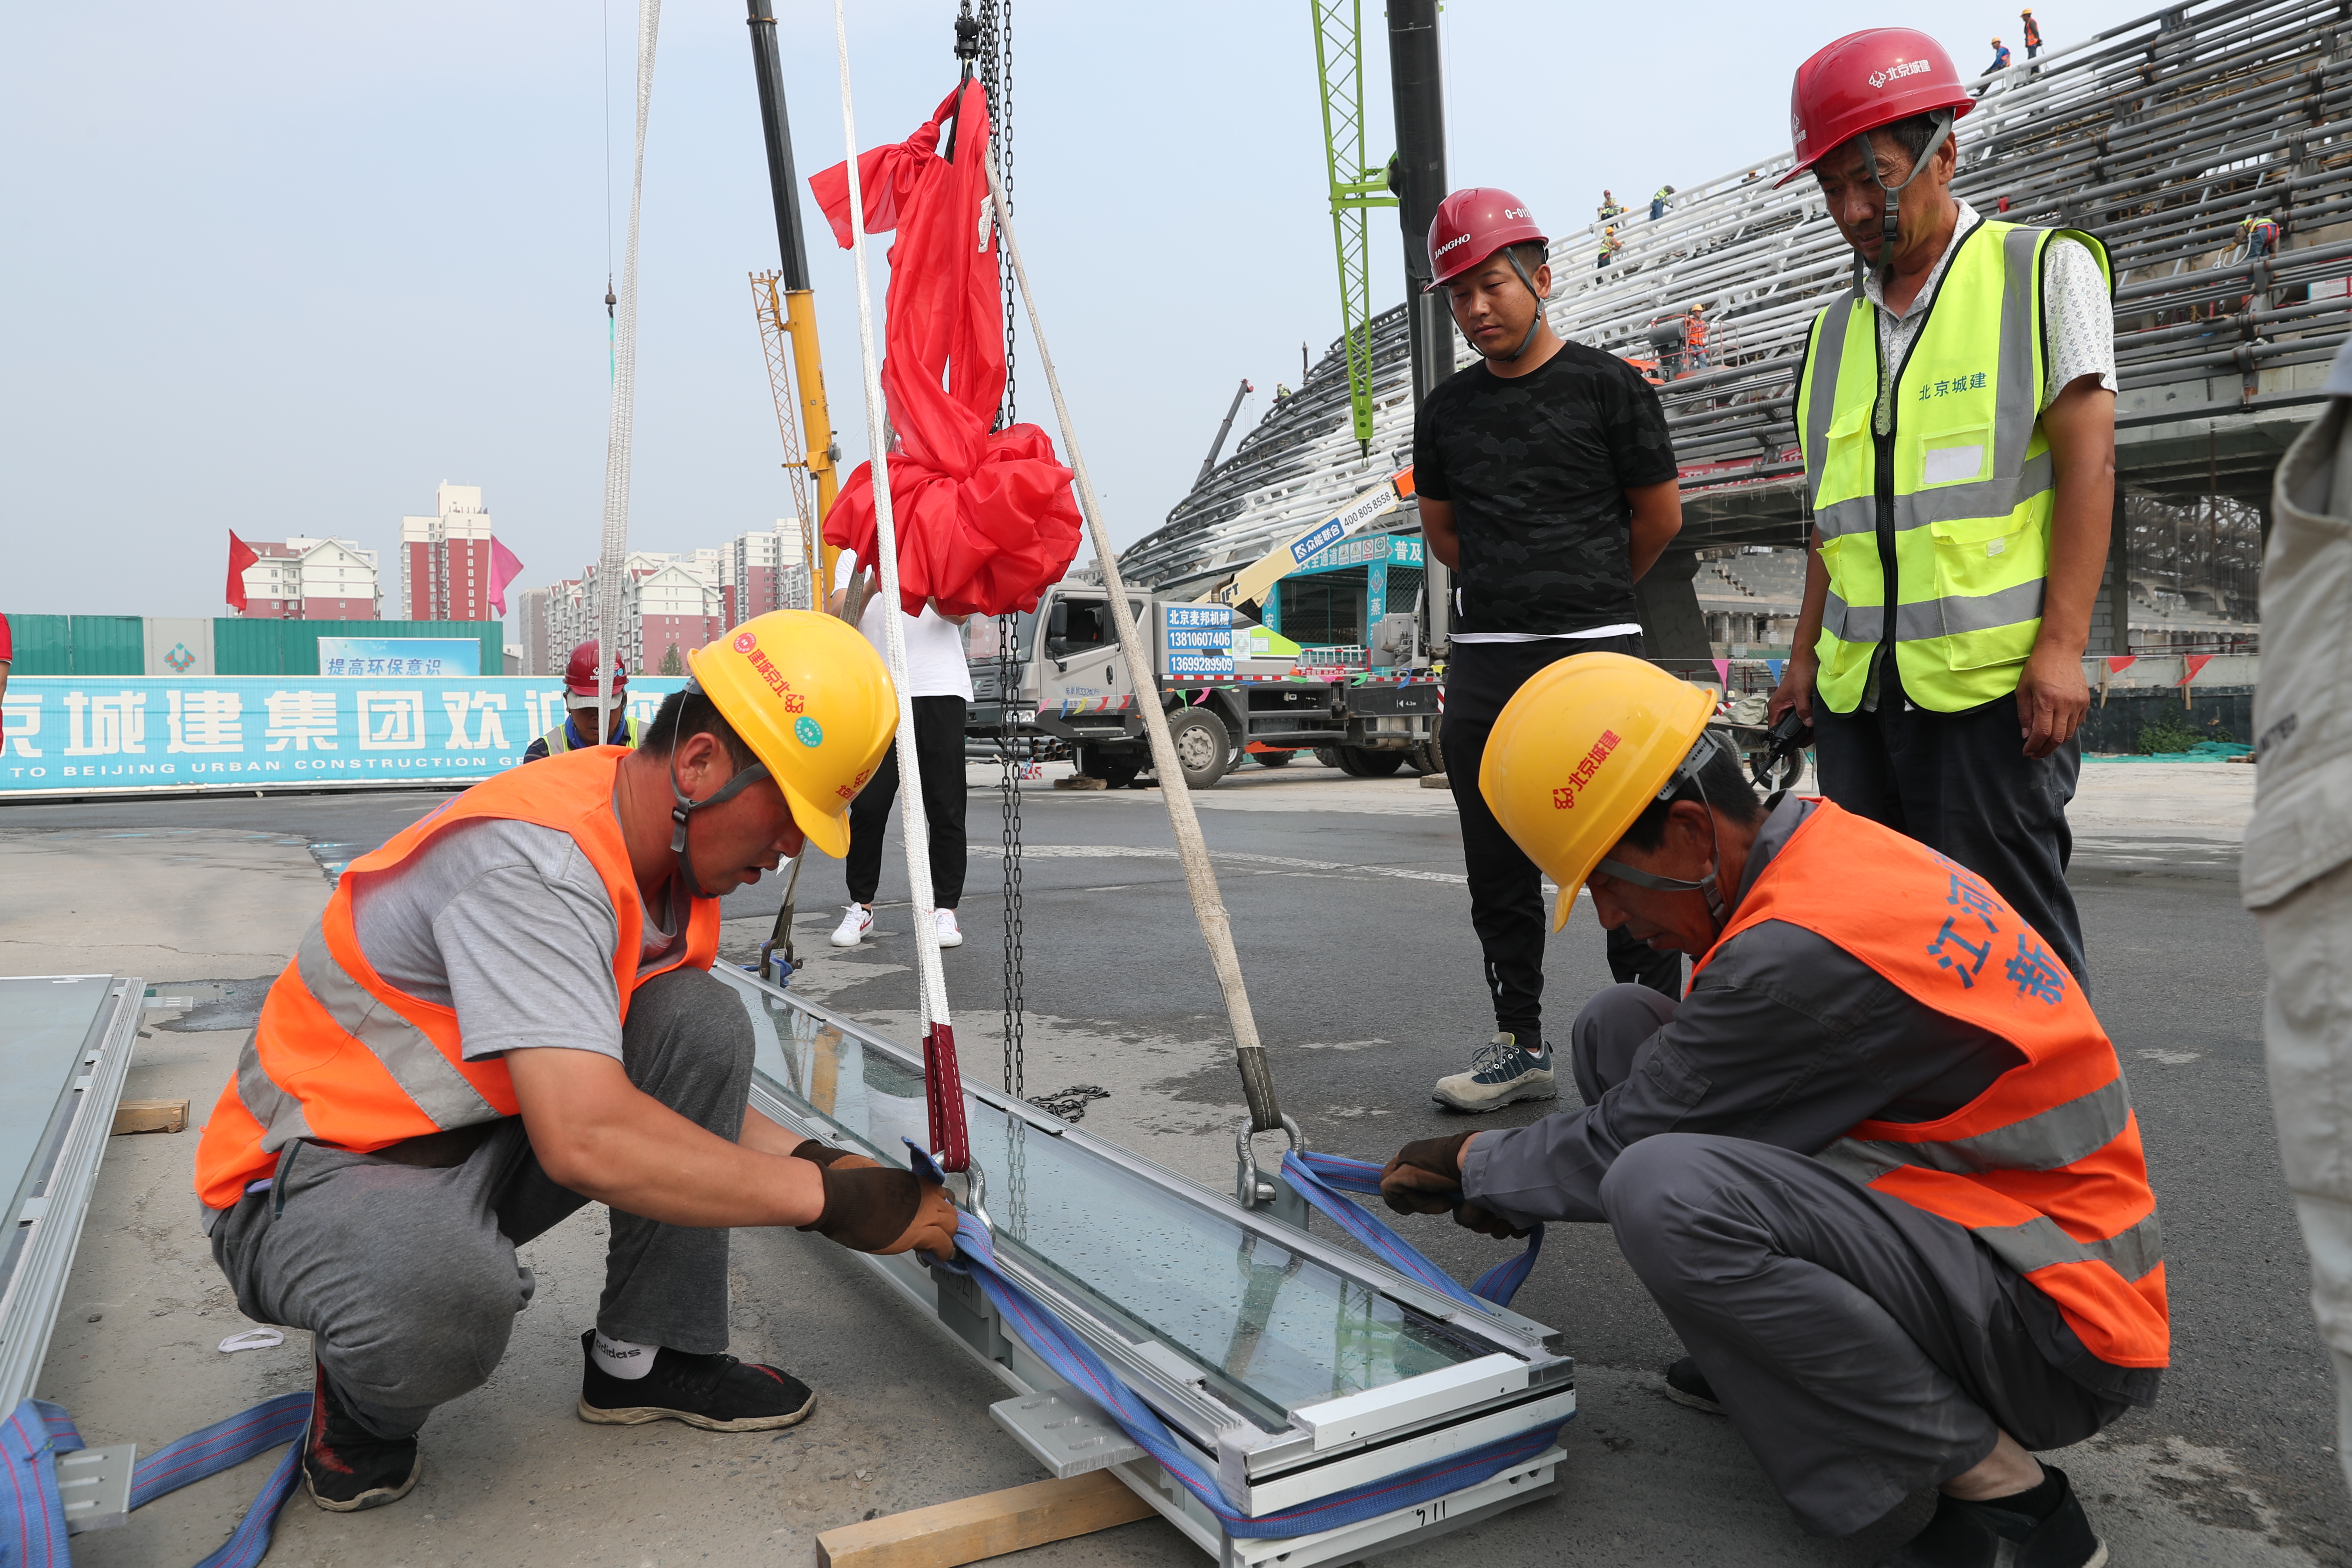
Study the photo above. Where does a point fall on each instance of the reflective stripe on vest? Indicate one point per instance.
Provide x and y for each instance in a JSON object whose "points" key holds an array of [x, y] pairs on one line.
{"points": [[1973, 486], [559, 740], [340, 1056], [2044, 1166]]}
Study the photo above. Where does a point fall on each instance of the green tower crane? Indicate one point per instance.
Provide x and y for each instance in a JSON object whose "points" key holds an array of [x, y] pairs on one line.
{"points": [[1356, 187]]}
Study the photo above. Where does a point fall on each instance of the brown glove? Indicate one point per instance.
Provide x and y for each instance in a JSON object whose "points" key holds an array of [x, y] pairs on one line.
{"points": [[874, 1209], [830, 1158], [1425, 1175]]}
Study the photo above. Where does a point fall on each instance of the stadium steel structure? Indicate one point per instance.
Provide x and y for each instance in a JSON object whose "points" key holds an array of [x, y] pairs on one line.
{"points": [[2160, 136]]}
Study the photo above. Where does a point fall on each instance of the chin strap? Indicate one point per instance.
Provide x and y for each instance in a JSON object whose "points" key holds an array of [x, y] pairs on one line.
{"points": [[1535, 326], [685, 806], [1708, 884], [1891, 195]]}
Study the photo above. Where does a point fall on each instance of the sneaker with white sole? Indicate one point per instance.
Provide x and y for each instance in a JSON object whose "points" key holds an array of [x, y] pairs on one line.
{"points": [[1500, 1074], [856, 924], [950, 933]]}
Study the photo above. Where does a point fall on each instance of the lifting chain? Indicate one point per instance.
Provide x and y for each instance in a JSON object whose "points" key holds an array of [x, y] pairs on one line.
{"points": [[995, 68]]}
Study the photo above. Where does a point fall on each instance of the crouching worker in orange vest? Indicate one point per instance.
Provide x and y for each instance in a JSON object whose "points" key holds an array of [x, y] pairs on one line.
{"points": [[506, 1012], [1877, 1166]]}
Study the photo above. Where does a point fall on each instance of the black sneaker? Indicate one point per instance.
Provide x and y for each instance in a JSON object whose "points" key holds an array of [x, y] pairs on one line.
{"points": [[1686, 1384], [716, 1393], [347, 1468], [1985, 1534]]}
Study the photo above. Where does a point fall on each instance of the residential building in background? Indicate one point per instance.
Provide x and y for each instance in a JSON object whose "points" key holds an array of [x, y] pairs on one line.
{"points": [[683, 601], [302, 579], [445, 559], [532, 609]]}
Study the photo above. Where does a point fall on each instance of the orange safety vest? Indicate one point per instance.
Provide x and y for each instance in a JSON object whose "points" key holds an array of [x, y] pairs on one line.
{"points": [[343, 1058], [2044, 1167]]}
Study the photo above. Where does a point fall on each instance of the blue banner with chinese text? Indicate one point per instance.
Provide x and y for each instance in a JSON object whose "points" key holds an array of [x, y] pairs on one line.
{"points": [[75, 734]]}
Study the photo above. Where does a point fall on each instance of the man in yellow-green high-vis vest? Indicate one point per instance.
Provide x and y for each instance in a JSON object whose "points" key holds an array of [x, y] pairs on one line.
{"points": [[1956, 414]]}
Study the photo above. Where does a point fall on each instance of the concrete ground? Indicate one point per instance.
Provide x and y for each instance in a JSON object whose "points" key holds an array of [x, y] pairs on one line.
{"points": [[1347, 905]]}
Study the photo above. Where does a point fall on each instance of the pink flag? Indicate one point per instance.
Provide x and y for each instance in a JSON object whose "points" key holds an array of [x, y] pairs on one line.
{"points": [[1723, 672], [504, 569]]}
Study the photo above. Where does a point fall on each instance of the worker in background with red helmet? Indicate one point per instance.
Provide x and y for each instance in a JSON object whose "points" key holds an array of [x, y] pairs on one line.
{"points": [[1546, 481], [1957, 414], [507, 1013], [579, 697]]}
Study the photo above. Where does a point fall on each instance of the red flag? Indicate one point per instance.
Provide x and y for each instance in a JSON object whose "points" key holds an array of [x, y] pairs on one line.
{"points": [[985, 518], [2190, 663], [240, 556], [504, 569]]}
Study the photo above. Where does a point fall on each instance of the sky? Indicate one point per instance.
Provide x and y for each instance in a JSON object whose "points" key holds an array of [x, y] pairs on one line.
{"points": [[283, 269]]}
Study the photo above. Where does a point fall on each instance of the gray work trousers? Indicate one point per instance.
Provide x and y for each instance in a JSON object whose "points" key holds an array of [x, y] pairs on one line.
{"points": [[406, 1276], [1864, 1348]]}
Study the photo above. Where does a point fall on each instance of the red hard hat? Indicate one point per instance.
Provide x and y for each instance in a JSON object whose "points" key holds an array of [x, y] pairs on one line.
{"points": [[1865, 81], [1473, 223], [580, 675]]}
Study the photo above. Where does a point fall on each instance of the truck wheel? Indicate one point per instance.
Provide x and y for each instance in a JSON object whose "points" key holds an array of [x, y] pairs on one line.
{"points": [[1201, 745], [1373, 765], [1274, 759], [1329, 757], [1427, 758], [1119, 776]]}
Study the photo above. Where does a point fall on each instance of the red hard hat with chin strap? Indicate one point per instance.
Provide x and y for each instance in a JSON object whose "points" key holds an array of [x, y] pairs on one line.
{"points": [[1866, 80], [1471, 225]]}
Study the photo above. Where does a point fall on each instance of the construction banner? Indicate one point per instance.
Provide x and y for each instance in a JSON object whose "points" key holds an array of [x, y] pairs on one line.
{"points": [[75, 735]]}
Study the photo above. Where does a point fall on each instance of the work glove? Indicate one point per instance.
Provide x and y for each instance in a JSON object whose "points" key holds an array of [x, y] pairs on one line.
{"points": [[830, 1158], [1425, 1177], [870, 1208]]}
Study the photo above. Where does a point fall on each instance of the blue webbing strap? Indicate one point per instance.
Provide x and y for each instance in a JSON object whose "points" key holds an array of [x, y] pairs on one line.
{"points": [[1321, 1178], [33, 1521], [1044, 1333]]}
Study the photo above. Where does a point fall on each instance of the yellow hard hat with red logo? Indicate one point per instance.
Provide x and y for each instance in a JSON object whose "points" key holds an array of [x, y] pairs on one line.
{"points": [[813, 701], [1578, 753]]}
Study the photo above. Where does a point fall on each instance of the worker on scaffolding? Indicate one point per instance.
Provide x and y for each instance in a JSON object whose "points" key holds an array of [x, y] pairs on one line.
{"points": [[1879, 1168], [1609, 245], [1611, 208], [507, 1013], [1956, 415], [2033, 34], [580, 727], [1999, 58], [2259, 232], [1546, 481], [1659, 199]]}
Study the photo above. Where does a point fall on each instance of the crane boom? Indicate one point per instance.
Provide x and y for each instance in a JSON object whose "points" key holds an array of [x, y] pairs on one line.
{"points": [[1355, 187], [786, 307]]}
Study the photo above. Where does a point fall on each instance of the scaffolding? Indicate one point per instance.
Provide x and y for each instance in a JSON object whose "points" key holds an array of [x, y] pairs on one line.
{"points": [[2161, 137]]}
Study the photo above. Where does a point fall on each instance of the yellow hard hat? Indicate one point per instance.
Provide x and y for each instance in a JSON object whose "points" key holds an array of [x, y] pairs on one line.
{"points": [[813, 701], [1578, 753]]}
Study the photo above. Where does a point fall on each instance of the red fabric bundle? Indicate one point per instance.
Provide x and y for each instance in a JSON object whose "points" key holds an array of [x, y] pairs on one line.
{"points": [[985, 522]]}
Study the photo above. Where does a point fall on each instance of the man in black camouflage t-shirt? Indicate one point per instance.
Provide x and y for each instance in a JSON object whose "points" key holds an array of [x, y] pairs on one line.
{"points": [[1547, 482]]}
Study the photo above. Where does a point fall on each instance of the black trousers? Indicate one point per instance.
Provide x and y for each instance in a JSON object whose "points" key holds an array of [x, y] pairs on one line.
{"points": [[938, 761], [1962, 785], [1507, 902]]}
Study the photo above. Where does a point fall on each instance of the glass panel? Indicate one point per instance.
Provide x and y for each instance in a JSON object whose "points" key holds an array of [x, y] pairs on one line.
{"points": [[1267, 1329]]}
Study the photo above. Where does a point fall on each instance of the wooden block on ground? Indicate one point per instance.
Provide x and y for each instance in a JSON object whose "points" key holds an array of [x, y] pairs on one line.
{"points": [[151, 1116], [1435, 781], [1080, 781], [987, 1525]]}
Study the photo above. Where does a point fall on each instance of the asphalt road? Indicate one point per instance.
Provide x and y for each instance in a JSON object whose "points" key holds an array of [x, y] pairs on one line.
{"points": [[1351, 920]]}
